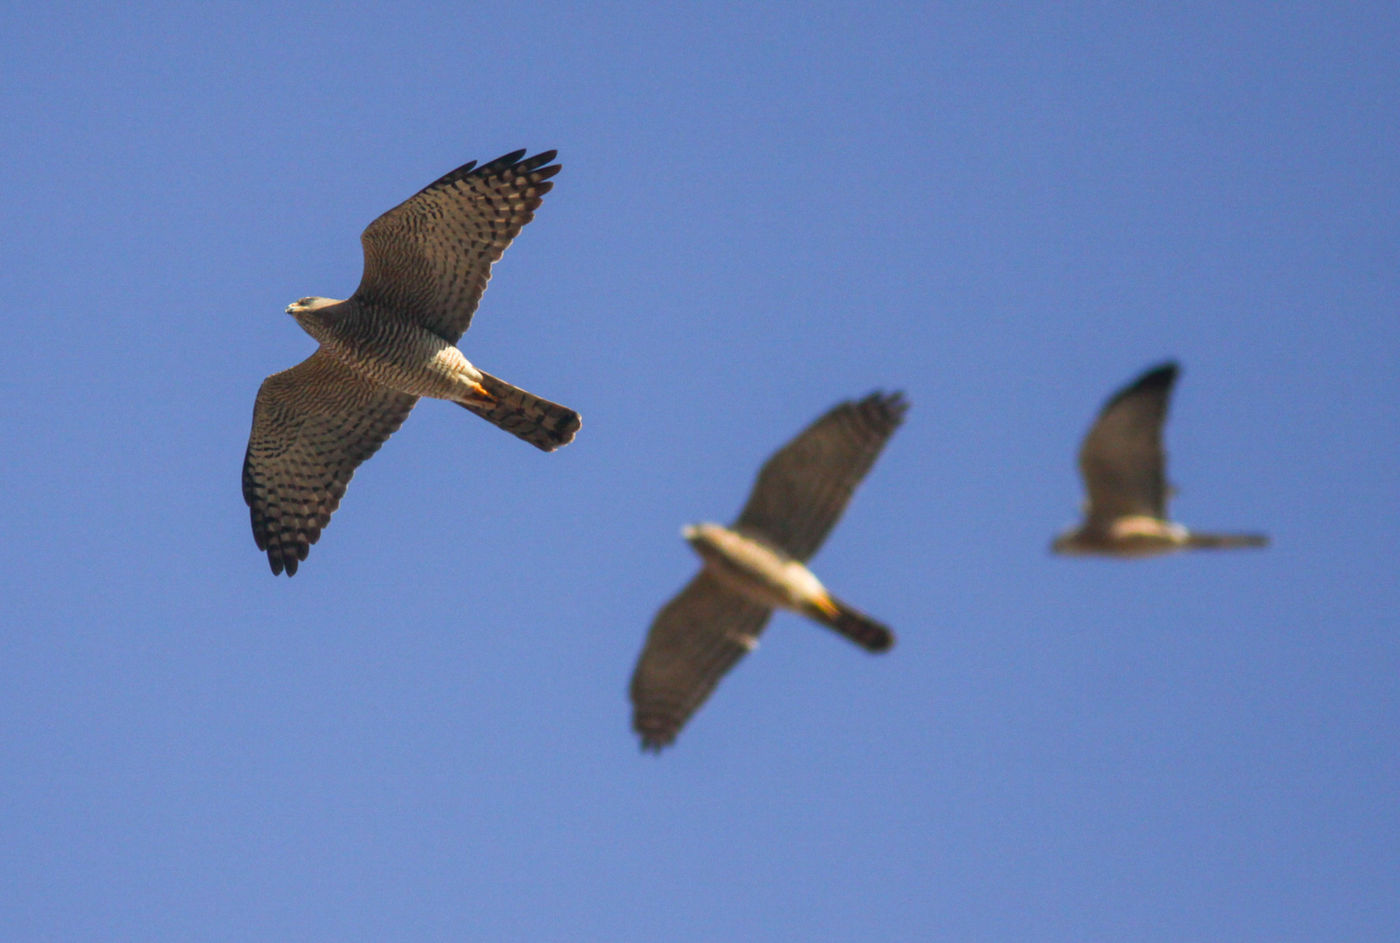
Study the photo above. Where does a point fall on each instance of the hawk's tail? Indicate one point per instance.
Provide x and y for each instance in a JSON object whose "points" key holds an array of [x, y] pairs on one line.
{"points": [[1225, 541], [852, 623], [543, 424]]}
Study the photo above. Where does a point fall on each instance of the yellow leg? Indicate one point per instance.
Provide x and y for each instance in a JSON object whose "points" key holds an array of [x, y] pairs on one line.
{"points": [[826, 606], [481, 394]]}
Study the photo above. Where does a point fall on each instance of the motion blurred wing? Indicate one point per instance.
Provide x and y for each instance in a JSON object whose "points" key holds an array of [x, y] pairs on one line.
{"points": [[802, 490], [694, 640], [1122, 460]]}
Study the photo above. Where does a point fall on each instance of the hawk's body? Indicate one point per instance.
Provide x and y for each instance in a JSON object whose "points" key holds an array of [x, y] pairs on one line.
{"points": [[759, 564], [746, 564], [1124, 470], [427, 262]]}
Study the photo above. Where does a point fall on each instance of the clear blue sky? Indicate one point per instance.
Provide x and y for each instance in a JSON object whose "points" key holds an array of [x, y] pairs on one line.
{"points": [[1005, 210]]}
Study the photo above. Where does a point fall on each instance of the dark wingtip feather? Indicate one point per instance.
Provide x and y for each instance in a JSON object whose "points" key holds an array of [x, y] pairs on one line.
{"points": [[892, 405], [517, 161], [655, 732], [506, 162], [1164, 374], [543, 157], [1160, 377], [279, 559], [879, 413]]}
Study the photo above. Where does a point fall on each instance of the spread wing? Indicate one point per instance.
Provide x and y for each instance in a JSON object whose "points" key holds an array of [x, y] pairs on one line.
{"points": [[802, 490], [694, 640], [1122, 461], [312, 426], [427, 260]]}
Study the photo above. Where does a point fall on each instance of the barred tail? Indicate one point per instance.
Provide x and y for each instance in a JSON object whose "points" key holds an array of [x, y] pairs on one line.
{"points": [[543, 424], [1225, 541], [852, 623]]}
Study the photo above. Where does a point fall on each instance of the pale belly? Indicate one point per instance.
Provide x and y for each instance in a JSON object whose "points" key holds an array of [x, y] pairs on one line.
{"points": [[415, 362], [1145, 536], [753, 570]]}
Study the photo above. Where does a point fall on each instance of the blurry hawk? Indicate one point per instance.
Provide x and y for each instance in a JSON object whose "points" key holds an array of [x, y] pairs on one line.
{"points": [[1124, 470], [757, 565], [427, 261]]}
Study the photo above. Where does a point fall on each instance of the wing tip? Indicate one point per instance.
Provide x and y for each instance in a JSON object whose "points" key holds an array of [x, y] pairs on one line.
{"points": [[282, 554], [286, 557], [518, 162], [892, 405], [1163, 374], [1158, 377], [657, 733], [515, 161]]}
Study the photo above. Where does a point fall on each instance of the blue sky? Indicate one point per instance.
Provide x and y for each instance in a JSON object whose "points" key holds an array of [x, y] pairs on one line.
{"points": [[1005, 210]]}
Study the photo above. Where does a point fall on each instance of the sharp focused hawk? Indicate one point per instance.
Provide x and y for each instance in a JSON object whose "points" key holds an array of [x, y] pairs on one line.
{"points": [[427, 261], [1124, 470], [757, 565]]}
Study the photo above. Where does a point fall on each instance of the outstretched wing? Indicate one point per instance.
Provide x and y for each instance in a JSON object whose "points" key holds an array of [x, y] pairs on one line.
{"points": [[802, 490], [694, 640], [1122, 461], [312, 426], [428, 259]]}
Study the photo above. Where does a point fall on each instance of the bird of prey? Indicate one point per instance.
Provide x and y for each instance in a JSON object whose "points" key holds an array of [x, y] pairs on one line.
{"points": [[757, 565], [394, 340], [1124, 470]]}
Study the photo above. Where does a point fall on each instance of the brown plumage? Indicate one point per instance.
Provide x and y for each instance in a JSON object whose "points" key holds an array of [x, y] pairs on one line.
{"points": [[1124, 470], [427, 262], [757, 565], [845, 619]]}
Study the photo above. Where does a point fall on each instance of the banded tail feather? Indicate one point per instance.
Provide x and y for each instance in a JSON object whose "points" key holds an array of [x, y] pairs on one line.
{"points": [[543, 424], [853, 624]]}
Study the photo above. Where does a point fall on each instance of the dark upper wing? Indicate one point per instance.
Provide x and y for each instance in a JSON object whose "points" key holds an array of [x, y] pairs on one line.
{"points": [[802, 490], [1122, 461], [428, 259], [312, 425], [694, 640]]}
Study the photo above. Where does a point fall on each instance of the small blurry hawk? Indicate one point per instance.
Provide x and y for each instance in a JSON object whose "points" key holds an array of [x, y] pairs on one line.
{"points": [[757, 565], [1124, 471], [394, 340]]}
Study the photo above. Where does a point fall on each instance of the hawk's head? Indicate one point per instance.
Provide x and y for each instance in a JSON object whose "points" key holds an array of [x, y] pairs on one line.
{"points": [[311, 310], [307, 305]]}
